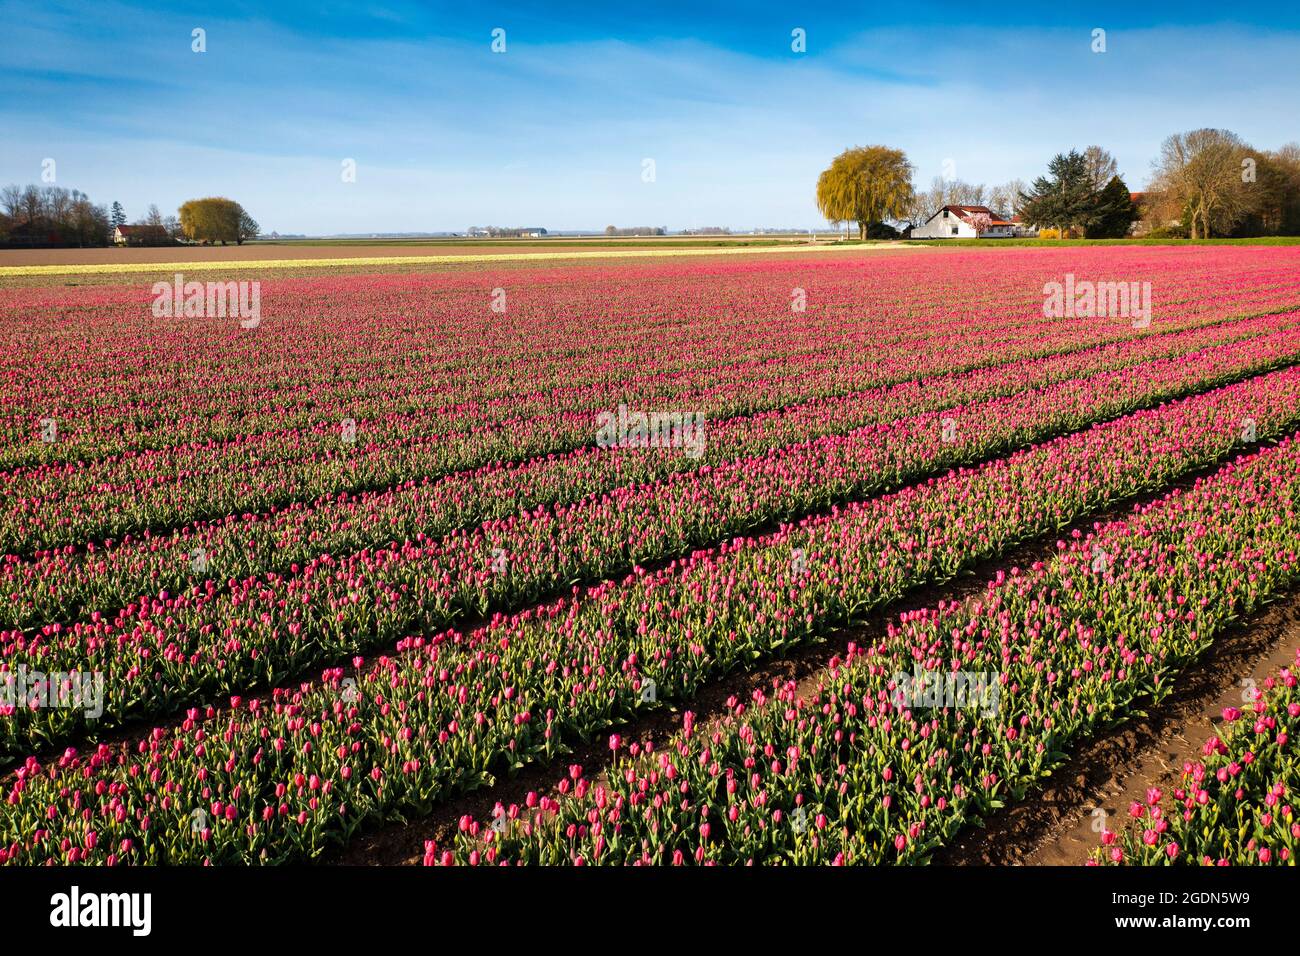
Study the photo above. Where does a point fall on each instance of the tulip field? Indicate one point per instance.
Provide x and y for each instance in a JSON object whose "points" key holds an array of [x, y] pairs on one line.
{"points": [[325, 576], [1233, 808]]}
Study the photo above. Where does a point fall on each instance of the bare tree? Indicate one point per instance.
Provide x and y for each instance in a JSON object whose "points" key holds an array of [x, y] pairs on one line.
{"points": [[1201, 173], [919, 208], [11, 198], [87, 223], [1005, 199], [52, 214], [961, 193], [935, 197], [58, 204], [949, 192], [32, 205], [1101, 167]]}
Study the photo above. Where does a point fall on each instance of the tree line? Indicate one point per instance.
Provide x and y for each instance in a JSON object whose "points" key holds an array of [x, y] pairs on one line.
{"points": [[1210, 182], [1080, 193], [636, 230], [53, 216], [1207, 182]]}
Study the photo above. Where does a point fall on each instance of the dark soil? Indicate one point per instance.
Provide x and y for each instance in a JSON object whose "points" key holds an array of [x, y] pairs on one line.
{"points": [[1055, 827]]}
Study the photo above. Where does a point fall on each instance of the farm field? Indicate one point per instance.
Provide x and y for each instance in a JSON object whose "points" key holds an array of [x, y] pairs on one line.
{"points": [[316, 254], [494, 565]]}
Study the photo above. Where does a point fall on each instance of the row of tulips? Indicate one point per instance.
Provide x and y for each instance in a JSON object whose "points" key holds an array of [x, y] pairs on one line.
{"points": [[953, 711], [422, 330], [1232, 808], [410, 395], [69, 582], [70, 502], [287, 777], [161, 653], [117, 378]]}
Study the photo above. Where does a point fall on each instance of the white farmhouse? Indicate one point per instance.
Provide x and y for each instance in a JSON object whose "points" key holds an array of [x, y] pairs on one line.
{"points": [[954, 222]]}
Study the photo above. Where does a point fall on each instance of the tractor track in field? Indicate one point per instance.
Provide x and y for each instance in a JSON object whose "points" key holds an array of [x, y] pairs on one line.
{"points": [[402, 843], [1055, 825]]}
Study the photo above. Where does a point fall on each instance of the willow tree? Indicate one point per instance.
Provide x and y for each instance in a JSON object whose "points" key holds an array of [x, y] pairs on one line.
{"points": [[866, 184], [217, 219]]}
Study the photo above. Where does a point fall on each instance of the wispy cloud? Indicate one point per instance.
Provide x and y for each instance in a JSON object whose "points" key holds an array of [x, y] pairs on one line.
{"points": [[445, 133]]}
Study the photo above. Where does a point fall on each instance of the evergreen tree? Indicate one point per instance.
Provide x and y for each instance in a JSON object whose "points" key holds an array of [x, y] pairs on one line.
{"points": [[1113, 211], [1063, 198]]}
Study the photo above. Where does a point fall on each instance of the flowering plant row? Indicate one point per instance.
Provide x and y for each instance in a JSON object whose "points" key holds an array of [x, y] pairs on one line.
{"points": [[1234, 807], [864, 770], [377, 348], [68, 582], [284, 778], [158, 654], [68, 502], [434, 352], [398, 399], [208, 470]]}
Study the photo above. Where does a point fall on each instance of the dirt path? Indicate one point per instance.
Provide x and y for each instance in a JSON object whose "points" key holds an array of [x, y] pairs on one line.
{"points": [[1060, 826]]}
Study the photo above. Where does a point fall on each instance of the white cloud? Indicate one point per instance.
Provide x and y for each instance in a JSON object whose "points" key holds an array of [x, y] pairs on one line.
{"points": [[447, 134]]}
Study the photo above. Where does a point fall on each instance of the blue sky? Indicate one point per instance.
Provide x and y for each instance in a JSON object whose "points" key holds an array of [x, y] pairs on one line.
{"points": [[554, 131]]}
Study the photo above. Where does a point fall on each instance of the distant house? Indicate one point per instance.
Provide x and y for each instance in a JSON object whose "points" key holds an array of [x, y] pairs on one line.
{"points": [[1140, 225], [1022, 230], [954, 222], [141, 236], [501, 232]]}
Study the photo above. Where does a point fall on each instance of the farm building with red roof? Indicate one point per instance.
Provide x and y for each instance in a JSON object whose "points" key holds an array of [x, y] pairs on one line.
{"points": [[964, 222]]}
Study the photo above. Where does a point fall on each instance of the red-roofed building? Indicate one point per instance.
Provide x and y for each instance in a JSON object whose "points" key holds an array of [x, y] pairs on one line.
{"points": [[965, 222], [141, 236]]}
